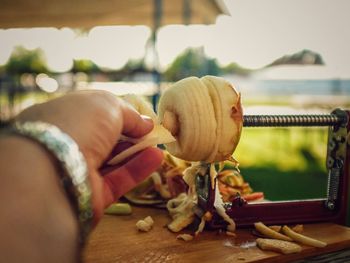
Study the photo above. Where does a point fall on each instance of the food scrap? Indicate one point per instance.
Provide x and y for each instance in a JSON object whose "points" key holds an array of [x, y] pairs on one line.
{"points": [[276, 228], [298, 228], [158, 135], [302, 238], [200, 227], [266, 231], [145, 225], [284, 247], [220, 209], [185, 237], [118, 209], [181, 211]]}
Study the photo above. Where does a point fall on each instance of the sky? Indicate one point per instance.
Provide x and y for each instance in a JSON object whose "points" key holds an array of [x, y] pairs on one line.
{"points": [[256, 33]]}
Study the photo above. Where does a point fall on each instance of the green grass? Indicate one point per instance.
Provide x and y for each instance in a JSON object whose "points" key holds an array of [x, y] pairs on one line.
{"points": [[286, 185], [285, 164], [287, 148]]}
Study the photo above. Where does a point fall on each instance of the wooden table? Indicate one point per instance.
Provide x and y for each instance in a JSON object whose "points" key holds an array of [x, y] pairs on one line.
{"points": [[117, 240]]}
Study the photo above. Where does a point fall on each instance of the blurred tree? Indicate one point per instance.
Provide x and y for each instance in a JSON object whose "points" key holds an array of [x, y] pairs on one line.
{"points": [[136, 65], [85, 65], [192, 62], [234, 68], [2, 69], [303, 57], [132, 67], [26, 61]]}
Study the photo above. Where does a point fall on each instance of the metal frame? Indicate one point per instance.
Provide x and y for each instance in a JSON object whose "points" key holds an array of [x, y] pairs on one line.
{"points": [[331, 209]]}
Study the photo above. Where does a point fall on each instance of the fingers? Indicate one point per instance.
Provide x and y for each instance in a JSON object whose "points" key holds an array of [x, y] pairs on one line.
{"points": [[135, 125], [118, 148], [126, 177]]}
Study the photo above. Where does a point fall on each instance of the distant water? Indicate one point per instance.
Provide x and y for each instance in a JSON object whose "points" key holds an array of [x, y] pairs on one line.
{"points": [[335, 87]]}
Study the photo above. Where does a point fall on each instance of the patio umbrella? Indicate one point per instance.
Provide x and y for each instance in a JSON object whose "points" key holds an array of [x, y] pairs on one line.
{"points": [[90, 13]]}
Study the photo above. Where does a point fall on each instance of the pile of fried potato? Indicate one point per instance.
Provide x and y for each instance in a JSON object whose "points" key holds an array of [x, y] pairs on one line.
{"points": [[162, 185], [167, 183]]}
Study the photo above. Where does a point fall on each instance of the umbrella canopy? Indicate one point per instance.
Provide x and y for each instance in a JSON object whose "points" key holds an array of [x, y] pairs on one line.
{"points": [[90, 13]]}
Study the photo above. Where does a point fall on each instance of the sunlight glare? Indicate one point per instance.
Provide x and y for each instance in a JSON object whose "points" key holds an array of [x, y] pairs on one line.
{"points": [[46, 83], [112, 46], [6, 47]]}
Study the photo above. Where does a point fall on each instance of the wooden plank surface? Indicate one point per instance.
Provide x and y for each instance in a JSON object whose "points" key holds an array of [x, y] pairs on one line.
{"points": [[116, 240]]}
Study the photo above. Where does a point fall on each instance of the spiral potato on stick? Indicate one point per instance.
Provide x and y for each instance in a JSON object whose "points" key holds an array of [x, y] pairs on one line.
{"points": [[205, 117]]}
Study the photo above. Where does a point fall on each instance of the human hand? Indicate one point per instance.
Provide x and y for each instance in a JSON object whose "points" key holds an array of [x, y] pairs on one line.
{"points": [[95, 120]]}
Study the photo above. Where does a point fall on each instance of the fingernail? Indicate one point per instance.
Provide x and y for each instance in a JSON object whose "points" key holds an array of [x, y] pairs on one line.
{"points": [[146, 118]]}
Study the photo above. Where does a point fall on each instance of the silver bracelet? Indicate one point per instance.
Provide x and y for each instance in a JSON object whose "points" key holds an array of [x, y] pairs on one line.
{"points": [[75, 173]]}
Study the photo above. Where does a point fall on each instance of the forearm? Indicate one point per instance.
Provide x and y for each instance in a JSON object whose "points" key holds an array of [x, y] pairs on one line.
{"points": [[37, 223]]}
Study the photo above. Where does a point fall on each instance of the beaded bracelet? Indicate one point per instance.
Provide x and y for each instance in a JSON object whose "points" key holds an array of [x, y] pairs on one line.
{"points": [[74, 175]]}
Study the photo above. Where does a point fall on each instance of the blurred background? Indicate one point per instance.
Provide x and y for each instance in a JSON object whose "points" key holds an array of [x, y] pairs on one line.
{"points": [[284, 56]]}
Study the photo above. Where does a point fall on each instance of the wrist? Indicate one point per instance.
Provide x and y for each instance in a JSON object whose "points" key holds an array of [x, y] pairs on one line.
{"points": [[71, 164], [33, 203], [34, 171]]}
